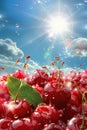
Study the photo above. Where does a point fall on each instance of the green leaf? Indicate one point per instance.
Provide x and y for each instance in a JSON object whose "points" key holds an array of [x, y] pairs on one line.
{"points": [[21, 90], [13, 86]]}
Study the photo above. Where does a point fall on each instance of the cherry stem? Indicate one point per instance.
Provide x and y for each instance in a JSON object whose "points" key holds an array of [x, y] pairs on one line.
{"points": [[18, 91], [75, 84], [58, 73], [83, 99], [83, 113]]}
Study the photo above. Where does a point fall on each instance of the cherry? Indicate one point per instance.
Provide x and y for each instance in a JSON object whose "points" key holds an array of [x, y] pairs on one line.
{"points": [[20, 108], [45, 114], [76, 122], [5, 124], [76, 97], [58, 97], [39, 77], [71, 76], [3, 78], [53, 126], [4, 93], [64, 102], [38, 88], [1, 107], [25, 124], [20, 74], [70, 111], [55, 75], [32, 124], [60, 125], [18, 125]]}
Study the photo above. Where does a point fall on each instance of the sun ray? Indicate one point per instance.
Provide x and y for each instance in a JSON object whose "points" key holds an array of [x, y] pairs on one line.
{"points": [[34, 39], [53, 23], [57, 25]]}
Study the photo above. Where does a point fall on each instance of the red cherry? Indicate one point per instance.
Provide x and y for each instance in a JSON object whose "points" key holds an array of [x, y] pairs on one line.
{"points": [[20, 108], [1, 107], [25, 124], [58, 97], [39, 77], [71, 76], [45, 114], [60, 125], [4, 93], [53, 126], [3, 78], [32, 124], [38, 88], [54, 75], [20, 74], [76, 97], [75, 123], [18, 125], [5, 124], [70, 111]]}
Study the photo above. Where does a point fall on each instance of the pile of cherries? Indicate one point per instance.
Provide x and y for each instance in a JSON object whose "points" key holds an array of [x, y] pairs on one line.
{"points": [[64, 104]]}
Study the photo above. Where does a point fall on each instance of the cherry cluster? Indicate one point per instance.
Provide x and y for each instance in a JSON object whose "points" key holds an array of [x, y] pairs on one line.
{"points": [[64, 105]]}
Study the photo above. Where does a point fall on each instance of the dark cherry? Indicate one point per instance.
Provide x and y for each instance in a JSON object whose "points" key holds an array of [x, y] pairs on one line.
{"points": [[58, 97], [5, 124], [70, 111]]}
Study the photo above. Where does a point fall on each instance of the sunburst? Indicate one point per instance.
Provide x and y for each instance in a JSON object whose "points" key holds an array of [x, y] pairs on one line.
{"points": [[57, 25]]}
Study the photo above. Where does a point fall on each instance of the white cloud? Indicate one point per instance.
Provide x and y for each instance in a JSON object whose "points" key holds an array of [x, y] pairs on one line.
{"points": [[9, 52], [9, 49], [78, 48], [85, 0], [11, 67]]}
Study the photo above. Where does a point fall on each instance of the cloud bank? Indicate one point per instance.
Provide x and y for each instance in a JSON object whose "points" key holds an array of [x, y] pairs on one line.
{"points": [[11, 67], [8, 53], [9, 49], [78, 47]]}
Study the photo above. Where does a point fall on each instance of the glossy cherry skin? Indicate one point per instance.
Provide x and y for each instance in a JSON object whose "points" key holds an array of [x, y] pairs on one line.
{"points": [[70, 111], [38, 89], [20, 74], [45, 114], [18, 109], [53, 126], [58, 97], [76, 97], [4, 93], [75, 123], [25, 124], [39, 77], [5, 124], [1, 108]]}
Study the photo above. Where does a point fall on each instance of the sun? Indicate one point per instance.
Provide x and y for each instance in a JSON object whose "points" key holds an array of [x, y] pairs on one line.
{"points": [[57, 25]]}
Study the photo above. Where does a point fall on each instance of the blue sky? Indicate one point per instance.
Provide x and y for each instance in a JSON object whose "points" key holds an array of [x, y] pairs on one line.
{"points": [[27, 28]]}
